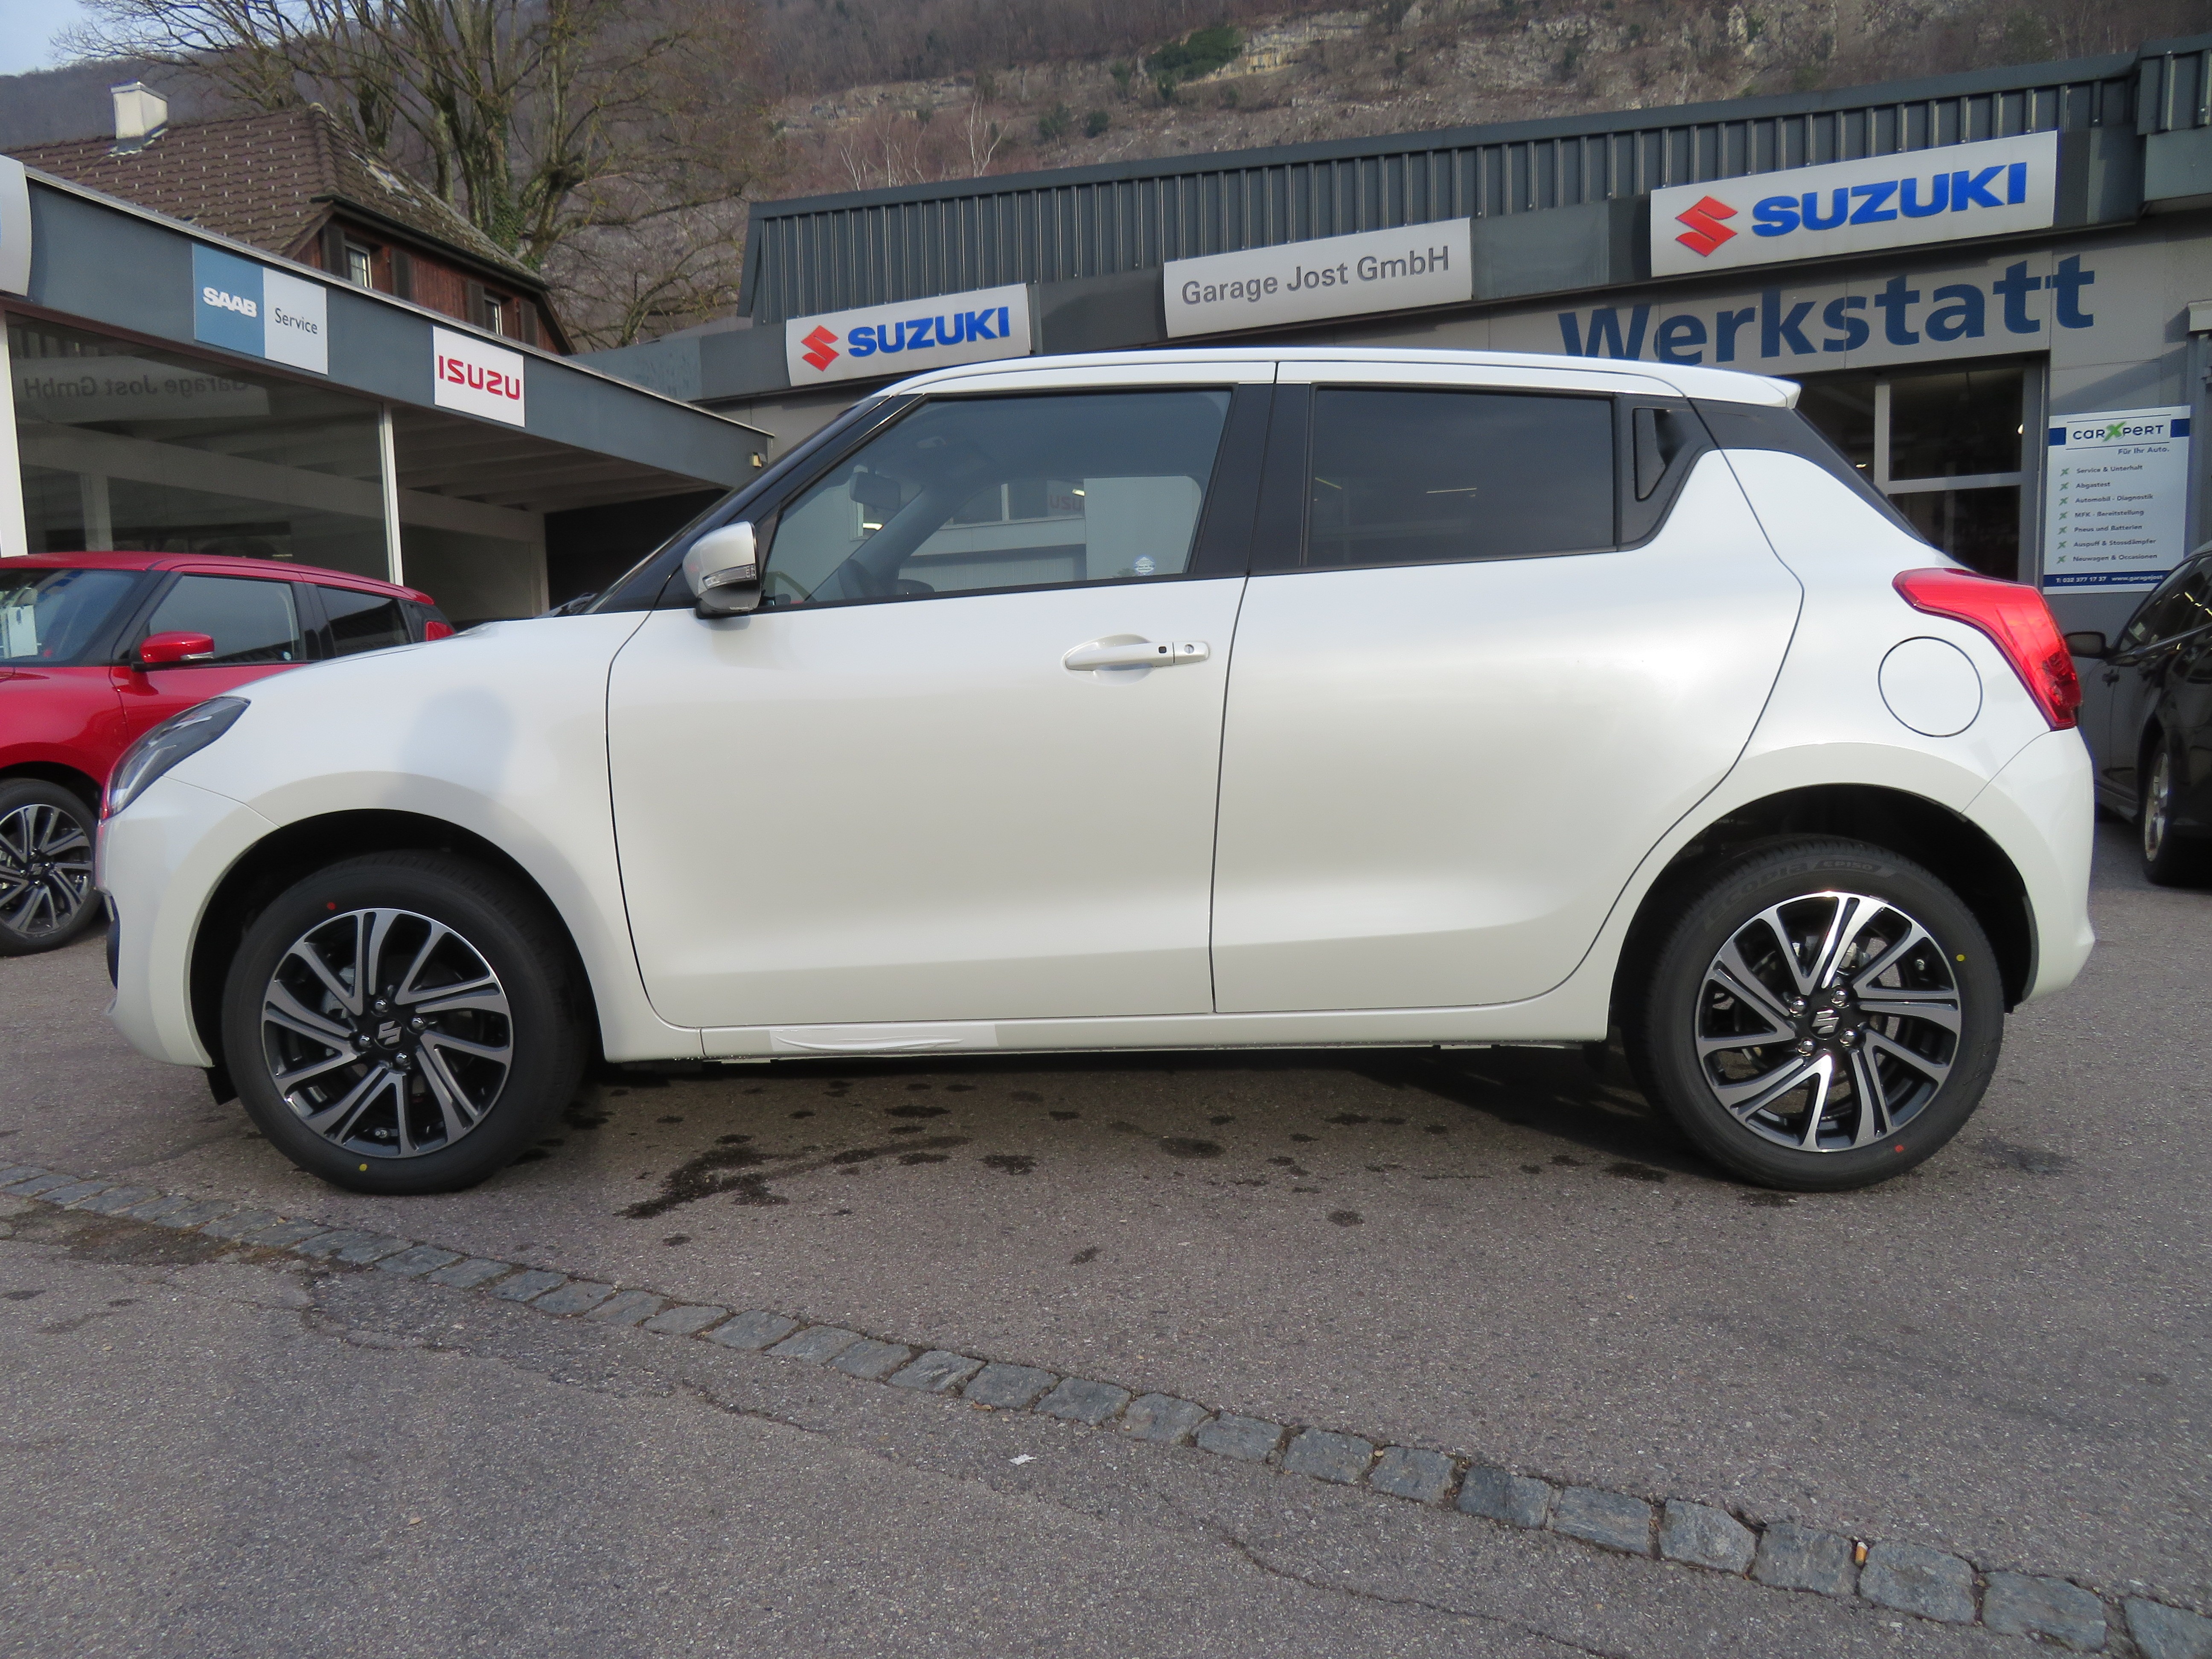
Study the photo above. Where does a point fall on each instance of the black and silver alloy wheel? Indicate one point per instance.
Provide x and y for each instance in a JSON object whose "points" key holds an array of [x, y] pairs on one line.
{"points": [[46, 867], [1827, 1023], [2171, 858], [1820, 1014], [2158, 804], [386, 1033], [405, 1022]]}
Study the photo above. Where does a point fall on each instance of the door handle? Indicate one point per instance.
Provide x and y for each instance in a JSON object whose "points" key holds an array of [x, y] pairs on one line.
{"points": [[1141, 654]]}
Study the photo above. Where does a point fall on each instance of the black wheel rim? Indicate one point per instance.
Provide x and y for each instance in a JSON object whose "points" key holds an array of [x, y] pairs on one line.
{"points": [[386, 1033], [45, 871], [1828, 1022], [2158, 804]]}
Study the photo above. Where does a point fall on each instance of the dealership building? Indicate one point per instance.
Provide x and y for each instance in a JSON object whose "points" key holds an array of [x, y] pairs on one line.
{"points": [[169, 389], [1994, 287]]}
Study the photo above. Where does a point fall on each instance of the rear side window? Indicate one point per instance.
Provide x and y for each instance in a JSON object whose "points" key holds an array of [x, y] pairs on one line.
{"points": [[1416, 477], [362, 622], [250, 620], [2182, 604]]}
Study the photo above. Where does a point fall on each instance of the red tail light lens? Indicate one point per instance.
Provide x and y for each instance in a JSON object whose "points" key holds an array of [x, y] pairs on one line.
{"points": [[437, 630], [2016, 618]]}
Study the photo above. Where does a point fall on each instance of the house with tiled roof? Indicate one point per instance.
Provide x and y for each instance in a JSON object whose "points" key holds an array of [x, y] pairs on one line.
{"points": [[300, 183]]}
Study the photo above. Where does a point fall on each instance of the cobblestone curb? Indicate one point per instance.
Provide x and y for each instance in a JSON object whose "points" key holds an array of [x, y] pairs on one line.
{"points": [[1892, 1575]]}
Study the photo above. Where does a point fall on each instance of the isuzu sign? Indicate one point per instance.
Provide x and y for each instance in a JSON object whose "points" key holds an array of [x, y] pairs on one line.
{"points": [[1430, 264], [1989, 188], [476, 379], [974, 327]]}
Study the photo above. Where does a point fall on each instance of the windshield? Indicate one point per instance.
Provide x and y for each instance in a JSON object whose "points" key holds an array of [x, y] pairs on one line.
{"points": [[51, 616]]}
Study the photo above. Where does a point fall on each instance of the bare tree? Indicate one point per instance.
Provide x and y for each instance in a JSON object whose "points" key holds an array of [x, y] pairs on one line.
{"points": [[547, 122]]}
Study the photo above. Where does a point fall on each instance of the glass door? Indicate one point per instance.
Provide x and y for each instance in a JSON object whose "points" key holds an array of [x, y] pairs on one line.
{"points": [[1948, 444]]}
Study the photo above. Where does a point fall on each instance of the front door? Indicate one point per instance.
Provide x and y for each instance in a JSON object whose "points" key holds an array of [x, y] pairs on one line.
{"points": [[916, 785], [1461, 710]]}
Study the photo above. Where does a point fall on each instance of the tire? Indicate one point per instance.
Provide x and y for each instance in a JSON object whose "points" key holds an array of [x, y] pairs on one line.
{"points": [[1911, 989], [47, 896], [363, 1094], [2169, 859]]}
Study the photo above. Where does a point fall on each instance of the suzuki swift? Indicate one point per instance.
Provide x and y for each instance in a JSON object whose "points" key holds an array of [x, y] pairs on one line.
{"points": [[1211, 699]]}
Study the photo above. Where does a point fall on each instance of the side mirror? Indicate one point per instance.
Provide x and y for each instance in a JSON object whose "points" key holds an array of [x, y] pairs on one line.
{"points": [[722, 570], [2088, 643], [161, 650]]}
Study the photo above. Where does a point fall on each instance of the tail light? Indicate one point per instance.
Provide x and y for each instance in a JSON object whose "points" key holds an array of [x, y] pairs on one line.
{"points": [[2016, 619], [436, 629]]}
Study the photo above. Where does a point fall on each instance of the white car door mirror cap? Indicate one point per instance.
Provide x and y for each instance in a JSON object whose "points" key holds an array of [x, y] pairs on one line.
{"points": [[722, 570]]}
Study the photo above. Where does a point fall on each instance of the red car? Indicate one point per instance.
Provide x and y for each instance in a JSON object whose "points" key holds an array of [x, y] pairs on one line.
{"points": [[97, 647]]}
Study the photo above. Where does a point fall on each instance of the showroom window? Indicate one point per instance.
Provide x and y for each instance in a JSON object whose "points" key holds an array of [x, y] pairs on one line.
{"points": [[1947, 445], [1419, 477], [136, 448], [976, 494]]}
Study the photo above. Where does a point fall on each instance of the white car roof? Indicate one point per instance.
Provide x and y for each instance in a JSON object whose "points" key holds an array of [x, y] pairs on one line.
{"points": [[1717, 385]]}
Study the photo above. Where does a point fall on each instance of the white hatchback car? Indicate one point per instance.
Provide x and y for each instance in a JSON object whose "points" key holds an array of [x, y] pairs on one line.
{"points": [[1208, 699]]}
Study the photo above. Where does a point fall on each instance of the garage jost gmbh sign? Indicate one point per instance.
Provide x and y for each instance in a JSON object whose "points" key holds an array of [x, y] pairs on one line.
{"points": [[1429, 264]]}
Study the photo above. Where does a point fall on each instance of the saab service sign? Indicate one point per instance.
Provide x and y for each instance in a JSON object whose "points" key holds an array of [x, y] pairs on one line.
{"points": [[244, 307], [976, 327], [476, 379], [1944, 195], [1374, 271]]}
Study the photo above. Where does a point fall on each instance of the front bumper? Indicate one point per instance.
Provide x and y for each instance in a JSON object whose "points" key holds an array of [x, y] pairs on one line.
{"points": [[160, 862]]}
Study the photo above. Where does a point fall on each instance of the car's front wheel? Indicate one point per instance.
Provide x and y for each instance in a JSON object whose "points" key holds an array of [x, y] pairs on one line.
{"points": [[1823, 1015], [45, 866], [401, 1022]]}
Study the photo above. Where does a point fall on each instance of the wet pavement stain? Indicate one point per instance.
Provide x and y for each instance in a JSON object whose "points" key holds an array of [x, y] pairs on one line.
{"points": [[1010, 1163], [923, 1157], [1088, 1253], [1177, 1146], [1347, 1218], [1628, 1169], [706, 1175], [915, 1110], [2028, 1160], [1762, 1199]]}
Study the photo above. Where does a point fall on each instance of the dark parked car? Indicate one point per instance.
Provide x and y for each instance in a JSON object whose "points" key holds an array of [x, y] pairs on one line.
{"points": [[2148, 720]]}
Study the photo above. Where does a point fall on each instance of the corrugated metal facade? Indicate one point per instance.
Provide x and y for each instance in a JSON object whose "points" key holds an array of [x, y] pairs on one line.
{"points": [[827, 253]]}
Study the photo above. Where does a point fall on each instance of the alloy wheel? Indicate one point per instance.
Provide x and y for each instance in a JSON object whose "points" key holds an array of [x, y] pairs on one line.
{"points": [[46, 869], [2158, 804], [1827, 1021], [386, 1033]]}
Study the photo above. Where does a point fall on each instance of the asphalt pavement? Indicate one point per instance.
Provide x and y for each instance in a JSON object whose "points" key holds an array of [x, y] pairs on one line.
{"points": [[1498, 1254]]}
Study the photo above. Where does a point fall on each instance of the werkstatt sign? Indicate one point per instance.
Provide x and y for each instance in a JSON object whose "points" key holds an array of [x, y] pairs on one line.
{"points": [[1943, 195], [975, 327], [15, 228], [1430, 264], [476, 379], [244, 307]]}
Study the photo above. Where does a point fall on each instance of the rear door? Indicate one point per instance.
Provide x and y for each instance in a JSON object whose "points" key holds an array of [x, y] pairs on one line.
{"points": [[1481, 668]]}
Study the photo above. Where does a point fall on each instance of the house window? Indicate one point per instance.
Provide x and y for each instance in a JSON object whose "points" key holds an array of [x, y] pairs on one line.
{"points": [[494, 317], [360, 265]]}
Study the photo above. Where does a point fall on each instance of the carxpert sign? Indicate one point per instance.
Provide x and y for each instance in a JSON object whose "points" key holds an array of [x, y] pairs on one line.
{"points": [[1989, 188], [472, 377], [1374, 271], [15, 228], [244, 307], [2115, 497], [1991, 308], [975, 327]]}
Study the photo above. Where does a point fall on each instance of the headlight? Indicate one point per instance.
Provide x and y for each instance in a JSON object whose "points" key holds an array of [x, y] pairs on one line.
{"points": [[166, 745]]}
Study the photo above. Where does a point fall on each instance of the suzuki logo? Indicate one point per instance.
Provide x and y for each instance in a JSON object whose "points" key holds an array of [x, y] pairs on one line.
{"points": [[1706, 232], [821, 347]]}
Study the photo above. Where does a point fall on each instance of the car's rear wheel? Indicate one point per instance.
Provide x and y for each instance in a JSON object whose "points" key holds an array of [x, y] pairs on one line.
{"points": [[2169, 859], [46, 898], [1823, 1015], [403, 1023]]}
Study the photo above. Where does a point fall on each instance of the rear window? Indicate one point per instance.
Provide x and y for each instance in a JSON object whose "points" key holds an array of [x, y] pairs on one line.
{"points": [[55, 616], [362, 622]]}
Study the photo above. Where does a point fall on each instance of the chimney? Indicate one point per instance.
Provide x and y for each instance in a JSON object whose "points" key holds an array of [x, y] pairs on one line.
{"points": [[140, 114]]}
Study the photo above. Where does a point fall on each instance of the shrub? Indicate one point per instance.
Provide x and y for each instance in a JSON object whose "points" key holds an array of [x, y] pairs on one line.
{"points": [[1096, 123]]}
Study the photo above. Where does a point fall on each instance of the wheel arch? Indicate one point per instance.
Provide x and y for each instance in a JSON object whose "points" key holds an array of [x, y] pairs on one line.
{"points": [[1956, 851], [81, 785], [282, 857]]}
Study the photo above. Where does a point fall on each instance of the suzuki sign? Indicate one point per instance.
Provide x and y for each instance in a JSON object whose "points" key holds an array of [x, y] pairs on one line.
{"points": [[1943, 195], [974, 327]]}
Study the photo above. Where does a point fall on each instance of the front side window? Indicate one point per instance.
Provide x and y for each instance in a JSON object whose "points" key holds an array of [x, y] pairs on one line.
{"points": [[362, 621], [1417, 478], [972, 494], [53, 616], [2182, 604], [250, 620]]}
